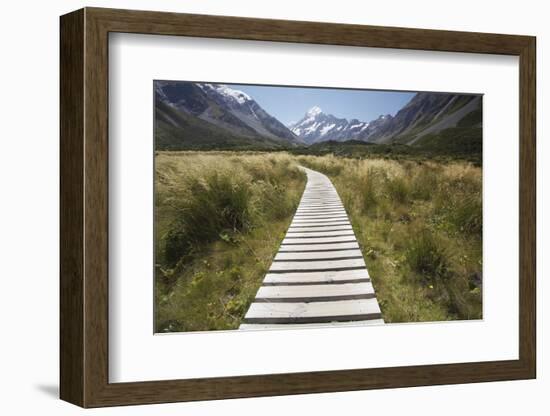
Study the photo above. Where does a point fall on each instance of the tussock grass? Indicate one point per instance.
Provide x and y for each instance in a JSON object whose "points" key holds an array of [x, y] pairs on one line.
{"points": [[427, 256], [216, 203], [220, 217], [419, 224]]}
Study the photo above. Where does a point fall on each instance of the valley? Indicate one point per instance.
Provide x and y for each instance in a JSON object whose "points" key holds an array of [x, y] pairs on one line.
{"points": [[328, 220], [202, 116]]}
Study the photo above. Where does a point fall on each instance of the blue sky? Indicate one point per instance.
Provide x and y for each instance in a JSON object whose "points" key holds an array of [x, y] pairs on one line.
{"points": [[289, 104]]}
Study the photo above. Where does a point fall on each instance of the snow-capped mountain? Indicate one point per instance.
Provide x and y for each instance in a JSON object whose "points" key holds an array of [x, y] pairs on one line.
{"points": [[317, 126], [424, 114], [223, 107]]}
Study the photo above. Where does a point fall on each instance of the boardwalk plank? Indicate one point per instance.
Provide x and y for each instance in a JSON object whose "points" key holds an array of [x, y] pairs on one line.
{"points": [[317, 223], [301, 213], [317, 255], [305, 219], [304, 210], [318, 247], [321, 216], [317, 240], [251, 327], [317, 265], [310, 205], [315, 292], [314, 233], [300, 312], [317, 228], [317, 277]]}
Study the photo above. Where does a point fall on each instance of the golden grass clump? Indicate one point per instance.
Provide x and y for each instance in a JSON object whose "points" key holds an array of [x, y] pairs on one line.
{"points": [[219, 219]]}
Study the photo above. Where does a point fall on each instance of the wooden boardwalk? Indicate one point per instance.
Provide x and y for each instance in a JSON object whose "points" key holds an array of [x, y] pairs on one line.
{"points": [[319, 276]]}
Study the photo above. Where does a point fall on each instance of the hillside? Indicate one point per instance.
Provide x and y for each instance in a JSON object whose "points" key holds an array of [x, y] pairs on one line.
{"points": [[428, 114], [176, 130], [192, 115]]}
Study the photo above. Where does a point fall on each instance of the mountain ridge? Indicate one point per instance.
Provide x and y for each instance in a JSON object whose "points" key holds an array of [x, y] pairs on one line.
{"points": [[215, 107], [191, 115]]}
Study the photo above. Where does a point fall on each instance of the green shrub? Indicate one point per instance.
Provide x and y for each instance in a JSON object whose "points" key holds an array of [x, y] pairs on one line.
{"points": [[238, 307], [215, 203], [373, 187], [398, 190], [370, 196], [176, 244], [427, 256], [467, 215], [272, 201], [424, 183]]}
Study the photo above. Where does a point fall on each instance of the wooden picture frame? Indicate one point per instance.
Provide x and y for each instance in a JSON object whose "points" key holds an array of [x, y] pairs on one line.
{"points": [[84, 207]]}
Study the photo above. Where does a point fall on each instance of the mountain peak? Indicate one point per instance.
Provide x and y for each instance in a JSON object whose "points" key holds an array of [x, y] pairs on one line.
{"points": [[318, 126], [313, 111]]}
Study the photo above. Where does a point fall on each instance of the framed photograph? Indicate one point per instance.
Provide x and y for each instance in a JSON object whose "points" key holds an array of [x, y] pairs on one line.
{"points": [[260, 207]]}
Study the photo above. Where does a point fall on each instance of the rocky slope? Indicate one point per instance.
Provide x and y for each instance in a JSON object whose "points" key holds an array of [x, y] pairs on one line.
{"points": [[221, 114]]}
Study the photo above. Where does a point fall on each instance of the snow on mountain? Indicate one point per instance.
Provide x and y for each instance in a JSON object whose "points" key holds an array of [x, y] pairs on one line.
{"points": [[317, 126], [326, 129], [314, 111], [224, 90]]}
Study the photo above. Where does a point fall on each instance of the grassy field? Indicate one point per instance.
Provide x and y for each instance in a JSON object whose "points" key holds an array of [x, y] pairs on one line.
{"points": [[419, 225], [458, 144], [219, 218]]}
